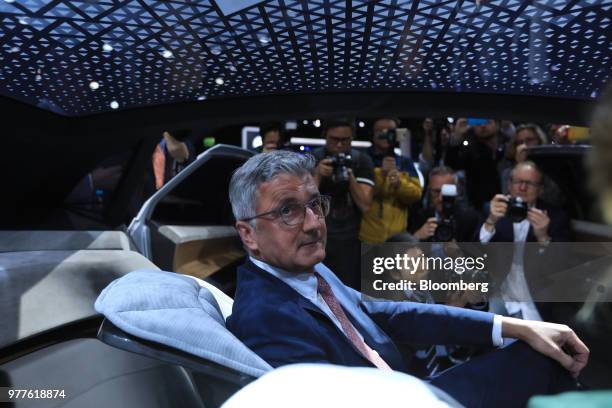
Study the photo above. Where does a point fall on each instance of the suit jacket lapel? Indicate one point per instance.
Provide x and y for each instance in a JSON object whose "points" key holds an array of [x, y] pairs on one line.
{"points": [[506, 229], [307, 305]]}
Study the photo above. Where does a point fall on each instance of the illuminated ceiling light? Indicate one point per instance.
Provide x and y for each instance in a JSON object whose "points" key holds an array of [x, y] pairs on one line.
{"points": [[317, 123], [93, 85], [450, 120], [167, 54], [219, 81], [361, 124], [107, 47], [114, 105], [9, 1], [264, 39], [305, 122], [202, 98], [302, 148], [465, 143]]}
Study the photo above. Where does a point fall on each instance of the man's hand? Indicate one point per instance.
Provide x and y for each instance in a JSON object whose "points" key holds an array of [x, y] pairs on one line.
{"points": [[394, 178], [556, 341], [323, 169], [499, 206], [427, 230], [539, 221], [388, 164]]}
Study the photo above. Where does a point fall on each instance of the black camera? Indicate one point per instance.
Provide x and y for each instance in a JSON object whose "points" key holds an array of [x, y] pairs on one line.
{"points": [[446, 224], [517, 209], [394, 137], [341, 163]]}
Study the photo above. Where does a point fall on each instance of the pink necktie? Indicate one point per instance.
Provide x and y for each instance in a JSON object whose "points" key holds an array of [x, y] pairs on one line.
{"points": [[328, 296]]}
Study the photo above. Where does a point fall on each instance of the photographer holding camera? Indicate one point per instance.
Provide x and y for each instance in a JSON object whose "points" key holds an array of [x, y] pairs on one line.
{"points": [[396, 185], [442, 218], [523, 217], [347, 176]]}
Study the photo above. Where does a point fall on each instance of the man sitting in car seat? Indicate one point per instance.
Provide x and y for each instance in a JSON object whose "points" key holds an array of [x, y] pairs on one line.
{"points": [[290, 308]]}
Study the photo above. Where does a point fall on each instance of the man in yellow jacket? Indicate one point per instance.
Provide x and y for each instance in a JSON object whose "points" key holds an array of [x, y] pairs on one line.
{"points": [[396, 187]]}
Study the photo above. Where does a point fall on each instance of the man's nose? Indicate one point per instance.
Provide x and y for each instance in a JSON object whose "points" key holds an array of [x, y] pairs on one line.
{"points": [[311, 220]]}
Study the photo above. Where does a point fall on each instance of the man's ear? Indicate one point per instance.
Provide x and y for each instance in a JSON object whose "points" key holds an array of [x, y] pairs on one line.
{"points": [[247, 235]]}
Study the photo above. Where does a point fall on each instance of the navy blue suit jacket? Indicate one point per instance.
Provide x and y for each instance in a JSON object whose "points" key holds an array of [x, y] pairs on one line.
{"points": [[283, 327]]}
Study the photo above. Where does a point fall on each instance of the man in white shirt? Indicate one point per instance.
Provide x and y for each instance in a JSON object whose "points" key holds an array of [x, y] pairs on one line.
{"points": [[541, 224]]}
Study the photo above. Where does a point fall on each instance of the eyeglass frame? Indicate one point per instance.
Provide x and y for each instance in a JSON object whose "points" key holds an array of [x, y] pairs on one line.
{"points": [[277, 211], [528, 183], [340, 140]]}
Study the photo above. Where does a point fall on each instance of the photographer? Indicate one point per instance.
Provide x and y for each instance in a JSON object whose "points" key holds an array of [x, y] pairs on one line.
{"points": [[462, 220], [479, 151], [396, 186], [523, 217], [348, 177]]}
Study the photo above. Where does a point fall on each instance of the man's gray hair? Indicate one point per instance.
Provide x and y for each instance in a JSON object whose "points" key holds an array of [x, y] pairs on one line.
{"points": [[262, 168], [443, 171]]}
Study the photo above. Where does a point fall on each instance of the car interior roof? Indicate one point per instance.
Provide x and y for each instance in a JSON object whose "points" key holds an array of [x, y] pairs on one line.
{"points": [[107, 56]]}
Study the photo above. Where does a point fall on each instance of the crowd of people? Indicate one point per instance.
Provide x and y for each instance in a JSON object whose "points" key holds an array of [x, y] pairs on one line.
{"points": [[481, 164]]}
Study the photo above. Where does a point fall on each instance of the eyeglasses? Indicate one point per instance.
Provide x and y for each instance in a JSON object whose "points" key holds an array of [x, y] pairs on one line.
{"points": [[339, 140], [528, 183], [294, 214]]}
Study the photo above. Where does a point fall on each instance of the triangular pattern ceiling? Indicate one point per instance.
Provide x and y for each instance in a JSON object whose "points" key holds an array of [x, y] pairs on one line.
{"points": [[90, 56]]}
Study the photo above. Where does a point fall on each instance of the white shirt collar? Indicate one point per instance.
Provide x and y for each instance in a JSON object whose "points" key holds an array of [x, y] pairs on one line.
{"points": [[304, 283]]}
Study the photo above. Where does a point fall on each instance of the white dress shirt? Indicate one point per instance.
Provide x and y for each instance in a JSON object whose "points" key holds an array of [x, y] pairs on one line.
{"points": [[514, 289], [305, 284]]}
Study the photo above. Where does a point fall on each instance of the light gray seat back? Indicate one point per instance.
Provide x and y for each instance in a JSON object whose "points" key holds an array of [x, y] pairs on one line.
{"points": [[175, 310]]}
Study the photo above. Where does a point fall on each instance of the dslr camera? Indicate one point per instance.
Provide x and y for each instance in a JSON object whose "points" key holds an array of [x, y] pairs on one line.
{"points": [[517, 209], [394, 137], [341, 163], [446, 224]]}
